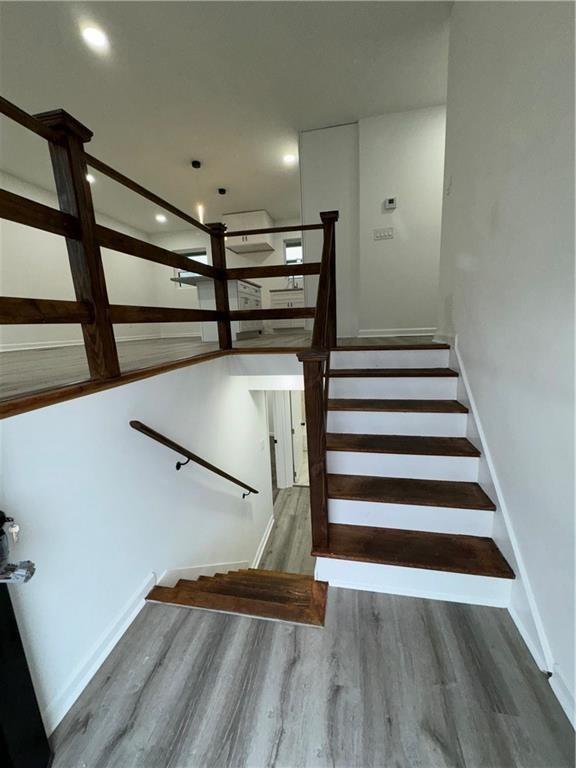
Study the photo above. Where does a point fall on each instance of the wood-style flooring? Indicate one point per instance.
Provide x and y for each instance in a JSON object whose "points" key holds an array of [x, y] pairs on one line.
{"points": [[288, 548], [33, 370], [390, 682]]}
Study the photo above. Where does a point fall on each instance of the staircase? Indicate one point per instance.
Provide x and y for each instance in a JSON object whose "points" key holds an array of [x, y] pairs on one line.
{"points": [[261, 594], [405, 511]]}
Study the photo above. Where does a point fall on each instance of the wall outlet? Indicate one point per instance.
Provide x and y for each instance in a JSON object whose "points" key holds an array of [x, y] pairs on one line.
{"points": [[384, 234]]}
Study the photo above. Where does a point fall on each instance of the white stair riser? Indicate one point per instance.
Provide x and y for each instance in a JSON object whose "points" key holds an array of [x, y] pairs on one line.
{"points": [[393, 423], [415, 582], [411, 517], [403, 388], [462, 468], [398, 358]]}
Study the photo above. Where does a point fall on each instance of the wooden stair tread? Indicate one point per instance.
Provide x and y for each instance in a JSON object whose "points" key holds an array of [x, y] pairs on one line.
{"points": [[246, 588], [366, 373], [388, 347], [475, 555], [401, 490], [396, 406], [296, 598], [401, 444]]}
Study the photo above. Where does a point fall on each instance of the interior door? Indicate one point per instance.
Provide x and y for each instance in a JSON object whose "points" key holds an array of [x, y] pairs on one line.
{"points": [[298, 436]]}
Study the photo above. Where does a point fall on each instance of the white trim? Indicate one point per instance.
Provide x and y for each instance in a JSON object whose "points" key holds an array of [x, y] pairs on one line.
{"points": [[263, 543], [53, 713], [21, 346], [170, 577], [367, 332], [534, 648], [562, 693], [542, 638]]}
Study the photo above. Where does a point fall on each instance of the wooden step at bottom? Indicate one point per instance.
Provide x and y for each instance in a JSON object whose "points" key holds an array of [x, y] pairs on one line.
{"points": [[395, 406], [367, 373], [401, 444], [401, 490], [473, 555], [257, 593]]}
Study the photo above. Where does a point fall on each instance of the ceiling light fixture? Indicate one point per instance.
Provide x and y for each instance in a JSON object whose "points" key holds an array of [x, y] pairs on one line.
{"points": [[160, 218], [289, 159], [90, 178], [200, 209], [96, 39]]}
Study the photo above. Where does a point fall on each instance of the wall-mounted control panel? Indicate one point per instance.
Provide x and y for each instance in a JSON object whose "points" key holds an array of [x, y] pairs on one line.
{"points": [[390, 203], [384, 234]]}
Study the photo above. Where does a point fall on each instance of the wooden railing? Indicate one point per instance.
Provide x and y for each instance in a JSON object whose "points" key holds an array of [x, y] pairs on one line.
{"points": [[316, 364], [166, 441], [76, 222]]}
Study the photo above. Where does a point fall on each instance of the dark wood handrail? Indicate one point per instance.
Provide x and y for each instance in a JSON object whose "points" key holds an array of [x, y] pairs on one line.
{"points": [[274, 230], [274, 270], [128, 313], [16, 311], [21, 210], [118, 241], [26, 120], [107, 170], [149, 432]]}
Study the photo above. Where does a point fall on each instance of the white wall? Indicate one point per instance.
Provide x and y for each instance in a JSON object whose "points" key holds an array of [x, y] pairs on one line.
{"points": [[35, 264], [385, 287], [329, 181], [103, 507], [507, 281], [401, 155]]}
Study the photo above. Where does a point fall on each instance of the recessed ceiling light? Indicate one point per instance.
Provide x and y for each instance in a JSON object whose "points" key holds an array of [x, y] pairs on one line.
{"points": [[160, 218], [90, 178], [289, 159], [96, 39]]}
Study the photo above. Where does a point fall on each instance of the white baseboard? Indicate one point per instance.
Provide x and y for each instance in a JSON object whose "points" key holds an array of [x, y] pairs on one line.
{"points": [[263, 543], [369, 332], [53, 713], [542, 656], [562, 693], [21, 346], [192, 572]]}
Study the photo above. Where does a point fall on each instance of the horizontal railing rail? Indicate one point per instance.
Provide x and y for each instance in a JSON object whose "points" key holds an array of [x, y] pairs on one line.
{"points": [[274, 270], [118, 241], [16, 311], [274, 230], [107, 170], [20, 210], [278, 313], [173, 446]]}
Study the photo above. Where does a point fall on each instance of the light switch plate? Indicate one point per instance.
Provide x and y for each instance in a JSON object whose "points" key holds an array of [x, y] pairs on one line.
{"points": [[384, 234]]}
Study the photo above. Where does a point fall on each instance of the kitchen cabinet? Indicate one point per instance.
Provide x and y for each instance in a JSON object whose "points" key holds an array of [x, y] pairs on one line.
{"points": [[242, 294], [248, 243], [286, 298]]}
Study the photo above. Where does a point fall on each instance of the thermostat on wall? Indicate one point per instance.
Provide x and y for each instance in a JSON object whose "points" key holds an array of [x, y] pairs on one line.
{"points": [[389, 203]]}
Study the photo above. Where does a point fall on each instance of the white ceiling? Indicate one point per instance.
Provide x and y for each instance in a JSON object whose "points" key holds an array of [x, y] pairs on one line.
{"points": [[229, 83]]}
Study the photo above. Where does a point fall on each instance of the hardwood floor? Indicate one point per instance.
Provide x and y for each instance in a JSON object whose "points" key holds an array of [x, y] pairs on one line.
{"points": [[390, 681], [32, 370]]}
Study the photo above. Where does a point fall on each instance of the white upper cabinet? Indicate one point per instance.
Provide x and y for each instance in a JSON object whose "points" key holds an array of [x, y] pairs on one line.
{"points": [[248, 220]]}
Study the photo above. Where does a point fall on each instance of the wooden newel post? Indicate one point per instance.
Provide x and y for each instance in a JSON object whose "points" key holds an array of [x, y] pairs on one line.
{"points": [[313, 363], [74, 197], [329, 219], [218, 248]]}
